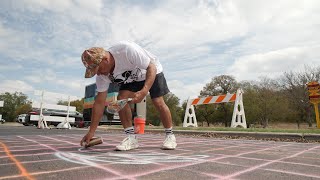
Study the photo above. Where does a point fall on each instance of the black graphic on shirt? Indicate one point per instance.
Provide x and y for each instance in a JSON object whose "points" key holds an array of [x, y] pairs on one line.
{"points": [[126, 77]]}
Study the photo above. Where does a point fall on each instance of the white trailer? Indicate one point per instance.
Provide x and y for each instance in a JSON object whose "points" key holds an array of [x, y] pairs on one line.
{"points": [[53, 114]]}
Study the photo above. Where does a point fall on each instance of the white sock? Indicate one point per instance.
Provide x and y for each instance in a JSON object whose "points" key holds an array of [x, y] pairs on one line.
{"points": [[129, 130], [168, 131]]}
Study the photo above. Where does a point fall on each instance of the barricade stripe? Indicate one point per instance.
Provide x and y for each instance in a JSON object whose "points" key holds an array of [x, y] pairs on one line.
{"points": [[220, 98], [227, 98], [207, 100], [214, 98], [233, 98], [195, 101]]}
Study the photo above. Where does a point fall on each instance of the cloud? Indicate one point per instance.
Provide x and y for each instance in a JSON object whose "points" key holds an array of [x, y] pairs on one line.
{"points": [[194, 40], [10, 67], [92, 5], [38, 6], [41, 75], [52, 97], [15, 86], [272, 63], [71, 84], [185, 91], [69, 62], [44, 31], [12, 86], [192, 24]]}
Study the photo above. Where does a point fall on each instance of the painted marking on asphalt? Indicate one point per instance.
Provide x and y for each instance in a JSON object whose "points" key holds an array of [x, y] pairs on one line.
{"points": [[87, 162], [115, 158], [23, 170], [270, 162]]}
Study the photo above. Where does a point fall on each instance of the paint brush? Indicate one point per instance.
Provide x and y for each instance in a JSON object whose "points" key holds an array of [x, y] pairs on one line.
{"points": [[94, 141]]}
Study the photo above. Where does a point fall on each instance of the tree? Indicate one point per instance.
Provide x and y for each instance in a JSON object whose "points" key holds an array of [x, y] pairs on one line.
{"points": [[205, 113], [250, 97], [269, 101], [152, 114], [294, 85], [264, 101], [23, 109], [77, 103], [221, 85], [12, 102], [172, 102]]}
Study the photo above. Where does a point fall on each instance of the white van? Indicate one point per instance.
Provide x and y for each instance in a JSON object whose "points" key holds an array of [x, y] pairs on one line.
{"points": [[21, 118]]}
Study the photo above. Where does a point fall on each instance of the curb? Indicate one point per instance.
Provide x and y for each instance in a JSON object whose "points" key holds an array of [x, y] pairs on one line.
{"points": [[11, 124], [300, 137], [313, 137]]}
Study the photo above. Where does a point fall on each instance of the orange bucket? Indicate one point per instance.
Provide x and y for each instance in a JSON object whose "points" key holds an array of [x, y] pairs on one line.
{"points": [[139, 124]]}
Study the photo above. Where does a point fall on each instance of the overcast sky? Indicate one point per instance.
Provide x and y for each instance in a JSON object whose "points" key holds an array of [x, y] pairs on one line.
{"points": [[42, 40]]}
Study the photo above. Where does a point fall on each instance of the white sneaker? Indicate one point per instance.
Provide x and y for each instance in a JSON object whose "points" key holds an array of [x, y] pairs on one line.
{"points": [[128, 143], [169, 143]]}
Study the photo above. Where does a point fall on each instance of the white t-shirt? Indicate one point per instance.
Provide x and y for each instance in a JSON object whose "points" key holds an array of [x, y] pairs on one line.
{"points": [[131, 62]]}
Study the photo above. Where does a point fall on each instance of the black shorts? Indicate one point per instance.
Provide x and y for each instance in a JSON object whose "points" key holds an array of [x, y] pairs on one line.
{"points": [[158, 88]]}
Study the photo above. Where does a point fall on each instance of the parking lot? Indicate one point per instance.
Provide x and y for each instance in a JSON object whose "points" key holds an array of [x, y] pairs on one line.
{"points": [[30, 153]]}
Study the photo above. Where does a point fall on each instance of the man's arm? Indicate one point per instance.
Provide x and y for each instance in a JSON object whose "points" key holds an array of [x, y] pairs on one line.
{"points": [[150, 77], [97, 112]]}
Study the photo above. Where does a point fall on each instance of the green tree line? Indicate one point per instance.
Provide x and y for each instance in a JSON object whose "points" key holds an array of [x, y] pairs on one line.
{"points": [[281, 99], [18, 103], [14, 104]]}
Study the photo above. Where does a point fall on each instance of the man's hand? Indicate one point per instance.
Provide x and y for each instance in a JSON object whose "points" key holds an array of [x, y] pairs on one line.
{"points": [[86, 139], [150, 77], [97, 112], [138, 96]]}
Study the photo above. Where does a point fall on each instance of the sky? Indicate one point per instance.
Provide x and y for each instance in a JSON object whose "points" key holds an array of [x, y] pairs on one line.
{"points": [[41, 41]]}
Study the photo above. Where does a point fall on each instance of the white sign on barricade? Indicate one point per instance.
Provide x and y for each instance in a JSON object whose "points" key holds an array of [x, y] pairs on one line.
{"points": [[238, 117]]}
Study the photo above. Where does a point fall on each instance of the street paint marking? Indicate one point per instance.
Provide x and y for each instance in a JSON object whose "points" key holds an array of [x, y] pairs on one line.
{"points": [[87, 162], [46, 172], [270, 162], [215, 148], [31, 162], [115, 158], [23, 171], [75, 144]]}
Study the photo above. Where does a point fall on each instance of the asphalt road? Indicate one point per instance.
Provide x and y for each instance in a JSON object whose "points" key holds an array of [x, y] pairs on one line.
{"points": [[31, 153]]}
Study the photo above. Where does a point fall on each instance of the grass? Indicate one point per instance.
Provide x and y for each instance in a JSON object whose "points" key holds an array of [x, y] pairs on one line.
{"points": [[275, 130], [313, 131]]}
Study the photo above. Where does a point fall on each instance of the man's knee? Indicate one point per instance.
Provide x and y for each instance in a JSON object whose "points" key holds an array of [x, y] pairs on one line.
{"points": [[159, 103], [124, 94]]}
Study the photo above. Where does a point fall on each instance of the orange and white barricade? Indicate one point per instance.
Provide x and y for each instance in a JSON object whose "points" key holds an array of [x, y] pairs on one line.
{"points": [[238, 117]]}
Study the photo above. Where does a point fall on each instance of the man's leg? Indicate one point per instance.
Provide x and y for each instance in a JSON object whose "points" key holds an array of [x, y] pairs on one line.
{"points": [[125, 113], [166, 119], [165, 114], [130, 142]]}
